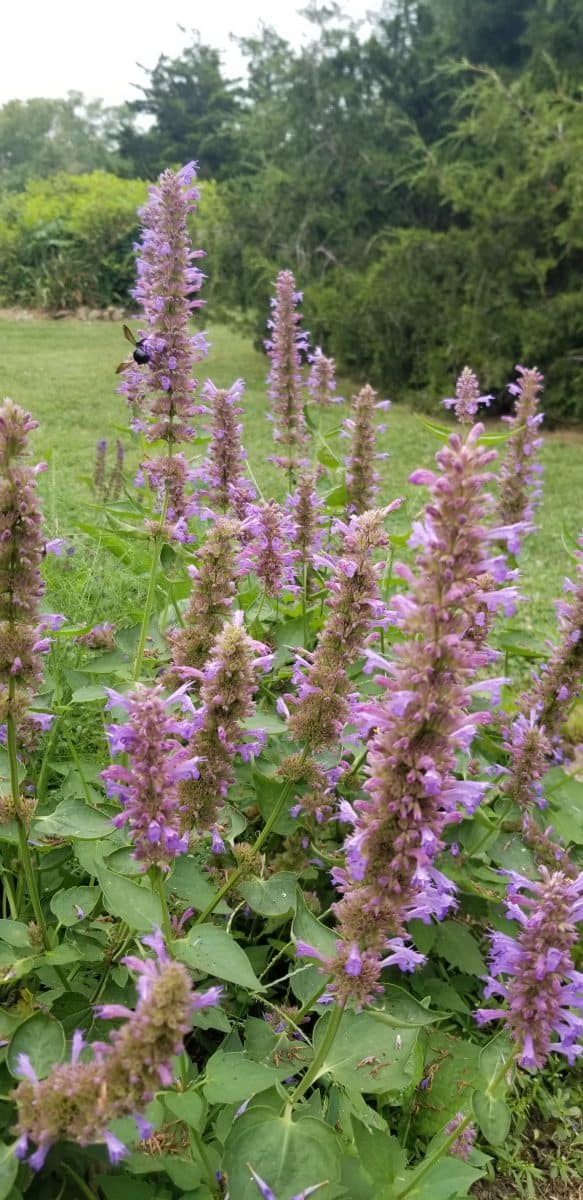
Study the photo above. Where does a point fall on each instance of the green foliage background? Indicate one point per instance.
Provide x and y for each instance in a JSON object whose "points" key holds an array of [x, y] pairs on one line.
{"points": [[424, 182]]}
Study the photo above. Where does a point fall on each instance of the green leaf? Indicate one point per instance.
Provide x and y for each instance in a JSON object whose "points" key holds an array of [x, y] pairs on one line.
{"points": [[452, 1068], [493, 1117], [307, 928], [135, 904], [16, 933], [122, 1187], [382, 1156], [269, 721], [187, 1106], [42, 1038], [87, 695], [459, 948], [72, 818], [290, 1156], [337, 497], [402, 1011], [565, 805], [449, 1179], [8, 1170], [232, 1078], [271, 897], [190, 883], [67, 903], [368, 1056], [212, 950]]}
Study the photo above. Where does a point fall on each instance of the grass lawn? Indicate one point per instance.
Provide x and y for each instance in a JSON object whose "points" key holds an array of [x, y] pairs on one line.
{"points": [[63, 371]]}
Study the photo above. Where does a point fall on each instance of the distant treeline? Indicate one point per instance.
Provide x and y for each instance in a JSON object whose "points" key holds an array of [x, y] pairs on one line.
{"points": [[424, 183]]}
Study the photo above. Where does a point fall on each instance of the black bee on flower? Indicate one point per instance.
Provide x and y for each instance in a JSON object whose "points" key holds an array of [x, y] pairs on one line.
{"points": [[140, 355]]}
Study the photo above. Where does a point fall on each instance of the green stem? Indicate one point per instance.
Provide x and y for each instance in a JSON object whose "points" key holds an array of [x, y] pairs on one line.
{"points": [[158, 882], [239, 871], [202, 1153], [41, 787], [77, 761], [9, 894], [25, 854], [149, 602], [442, 1149], [83, 1187], [332, 1026]]}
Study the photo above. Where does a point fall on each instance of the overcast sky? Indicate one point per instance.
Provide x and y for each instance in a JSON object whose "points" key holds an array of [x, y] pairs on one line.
{"points": [[50, 47]]}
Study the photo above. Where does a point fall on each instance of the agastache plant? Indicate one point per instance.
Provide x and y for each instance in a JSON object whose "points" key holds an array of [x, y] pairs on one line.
{"points": [[223, 472], [321, 707], [148, 786], [285, 347], [270, 547], [362, 478], [418, 727], [520, 486], [467, 399], [533, 974], [221, 561], [322, 380], [80, 1099], [228, 684], [163, 387]]}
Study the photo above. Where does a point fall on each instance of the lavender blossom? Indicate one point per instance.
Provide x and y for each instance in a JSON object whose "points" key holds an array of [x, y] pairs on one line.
{"points": [[224, 469], [467, 399], [308, 515], [229, 682], [99, 637], [214, 586], [167, 280], [285, 348], [533, 738], [520, 485], [464, 1144], [534, 973], [148, 787], [79, 1100], [412, 793], [22, 633], [168, 477], [99, 469], [322, 380], [273, 560], [361, 477], [266, 1192], [322, 707]]}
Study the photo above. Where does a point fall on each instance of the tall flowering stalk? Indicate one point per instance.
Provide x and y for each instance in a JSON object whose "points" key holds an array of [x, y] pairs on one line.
{"points": [[147, 787], [467, 399], [412, 794], [321, 708], [169, 477], [322, 380], [533, 738], [309, 517], [229, 682], [534, 974], [362, 479], [270, 547], [79, 1100], [159, 382], [223, 472], [214, 586], [520, 484], [22, 640], [285, 347]]}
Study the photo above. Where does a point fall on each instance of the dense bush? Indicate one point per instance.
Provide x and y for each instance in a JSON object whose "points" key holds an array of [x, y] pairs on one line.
{"points": [[68, 241]]}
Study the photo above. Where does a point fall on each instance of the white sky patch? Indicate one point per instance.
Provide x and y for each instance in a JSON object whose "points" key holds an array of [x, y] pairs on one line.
{"points": [[50, 47]]}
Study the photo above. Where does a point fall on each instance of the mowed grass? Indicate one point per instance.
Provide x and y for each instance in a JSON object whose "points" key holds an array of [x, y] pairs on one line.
{"points": [[64, 372]]}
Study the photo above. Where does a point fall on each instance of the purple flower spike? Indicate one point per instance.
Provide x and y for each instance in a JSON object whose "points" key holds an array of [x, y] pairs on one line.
{"points": [[285, 347], [464, 1144], [79, 1100], [520, 484], [467, 399], [322, 380], [148, 786], [416, 729], [362, 479], [533, 974], [167, 281]]}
